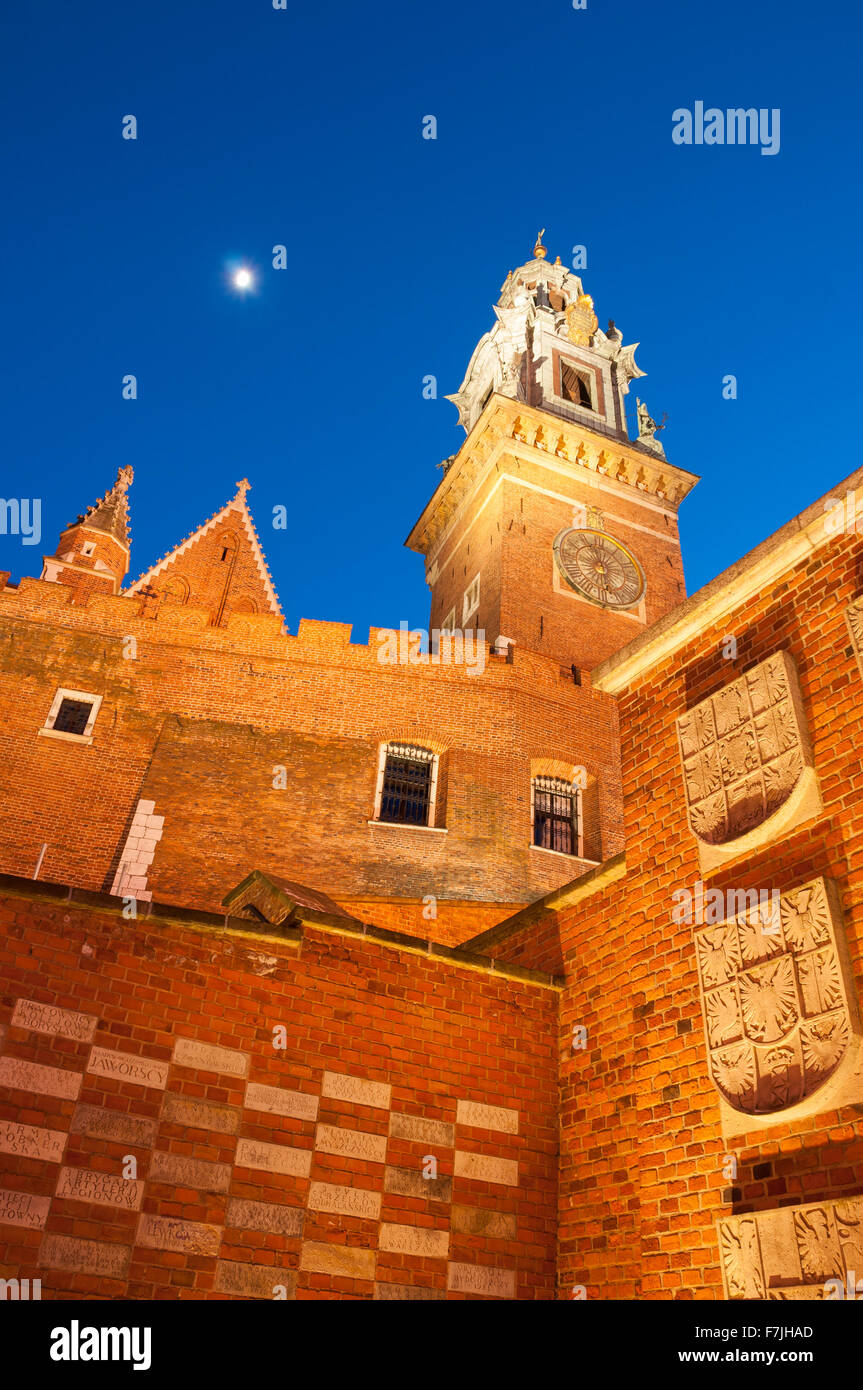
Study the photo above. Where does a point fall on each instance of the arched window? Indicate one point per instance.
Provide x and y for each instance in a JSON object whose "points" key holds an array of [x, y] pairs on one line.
{"points": [[556, 806], [407, 785]]}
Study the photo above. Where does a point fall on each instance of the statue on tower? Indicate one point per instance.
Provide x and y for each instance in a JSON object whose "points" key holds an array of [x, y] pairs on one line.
{"points": [[648, 428]]}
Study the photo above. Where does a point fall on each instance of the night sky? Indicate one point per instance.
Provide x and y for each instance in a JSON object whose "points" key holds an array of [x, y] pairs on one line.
{"points": [[260, 127]]}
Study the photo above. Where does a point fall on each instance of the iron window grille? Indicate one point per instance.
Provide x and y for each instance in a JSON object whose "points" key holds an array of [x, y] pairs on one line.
{"points": [[555, 815], [72, 717], [407, 785]]}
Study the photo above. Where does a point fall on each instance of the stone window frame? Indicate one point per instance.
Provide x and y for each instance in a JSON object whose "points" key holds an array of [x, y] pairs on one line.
{"points": [[584, 369], [64, 693], [448, 624], [470, 602], [383, 753], [576, 784]]}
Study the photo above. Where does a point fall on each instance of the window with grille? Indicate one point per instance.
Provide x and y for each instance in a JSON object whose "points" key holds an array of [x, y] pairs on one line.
{"points": [[72, 714], [555, 815], [73, 717], [574, 386], [406, 792]]}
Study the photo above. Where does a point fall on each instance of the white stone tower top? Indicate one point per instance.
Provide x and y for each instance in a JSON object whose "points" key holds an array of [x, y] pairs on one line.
{"points": [[548, 351]]}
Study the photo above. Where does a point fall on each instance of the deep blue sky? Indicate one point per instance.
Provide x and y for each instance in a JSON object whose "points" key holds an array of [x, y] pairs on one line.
{"points": [[303, 127]]}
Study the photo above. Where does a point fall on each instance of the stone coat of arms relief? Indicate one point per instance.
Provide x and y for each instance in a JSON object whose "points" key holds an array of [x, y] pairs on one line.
{"points": [[854, 619], [806, 1252], [748, 771], [781, 1019]]}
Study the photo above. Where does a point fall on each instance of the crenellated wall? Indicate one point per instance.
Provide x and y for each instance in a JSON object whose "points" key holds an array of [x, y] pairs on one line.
{"points": [[258, 749]]}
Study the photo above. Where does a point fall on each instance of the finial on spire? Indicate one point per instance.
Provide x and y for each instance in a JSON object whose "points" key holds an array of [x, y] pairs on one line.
{"points": [[539, 251], [125, 478], [243, 487]]}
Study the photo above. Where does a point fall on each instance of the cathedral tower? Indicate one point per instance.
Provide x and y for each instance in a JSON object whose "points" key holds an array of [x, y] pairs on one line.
{"points": [[92, 555], [551, 528]]}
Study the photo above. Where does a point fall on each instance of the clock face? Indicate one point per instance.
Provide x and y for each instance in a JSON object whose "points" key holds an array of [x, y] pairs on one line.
{"points": [[599, 568]]}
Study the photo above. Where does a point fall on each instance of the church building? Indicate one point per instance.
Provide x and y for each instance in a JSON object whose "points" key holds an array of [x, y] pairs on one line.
{"points": [[524, 964]]}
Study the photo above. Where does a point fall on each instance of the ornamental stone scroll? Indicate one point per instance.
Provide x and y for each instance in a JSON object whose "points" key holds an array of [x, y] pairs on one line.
{"points": [[854, 619], [748, 770]]}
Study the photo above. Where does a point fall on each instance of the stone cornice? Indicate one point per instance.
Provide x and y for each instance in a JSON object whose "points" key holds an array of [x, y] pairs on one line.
{"points": [[755, 572], [507, 423]]}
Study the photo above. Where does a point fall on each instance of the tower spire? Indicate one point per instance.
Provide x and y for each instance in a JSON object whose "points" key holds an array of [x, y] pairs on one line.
{"points": [[92, 555]]}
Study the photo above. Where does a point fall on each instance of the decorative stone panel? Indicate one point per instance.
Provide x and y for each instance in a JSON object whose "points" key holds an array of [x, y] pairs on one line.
{"points": [[854, 619], [747, 762], [807, 1252], [781, 1020]]}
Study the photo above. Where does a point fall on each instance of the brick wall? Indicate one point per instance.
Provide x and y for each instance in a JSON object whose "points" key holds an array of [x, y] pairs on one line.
{"points": [[644, 1172], [300, 1169], [507, 533], [198, 719]]}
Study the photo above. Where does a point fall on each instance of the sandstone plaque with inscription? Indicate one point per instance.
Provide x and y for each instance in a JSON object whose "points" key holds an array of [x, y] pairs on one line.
{"points": [[482, 1279], [116, 1125], [351, 1143], [345, 1201], [128, 1067], [418, 1130], [274, 1100], [414, 1240], [412, 1182], [273, 1158], [407, 1293], [31, 1141], [478, 1221], [469, 1112], [182, 1171], [184, 1237], [61, 1023], [105, 1189], [188, 1052], [19, 1075], [351, 1088], [23, 1209], [194, 1112], [481, 1168], [255, 1281], [84, 1256], [273, 1217], [348, 1261]]}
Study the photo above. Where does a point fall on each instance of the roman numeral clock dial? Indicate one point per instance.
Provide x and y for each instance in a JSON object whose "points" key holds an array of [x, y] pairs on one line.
{"points": [[599, 568]]}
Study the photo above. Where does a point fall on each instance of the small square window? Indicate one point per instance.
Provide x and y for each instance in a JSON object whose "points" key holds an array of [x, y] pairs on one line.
{"points": [[73, 717]]}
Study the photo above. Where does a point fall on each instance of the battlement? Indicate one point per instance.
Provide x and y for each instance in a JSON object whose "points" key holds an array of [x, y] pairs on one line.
{"points": [[125, 616]]}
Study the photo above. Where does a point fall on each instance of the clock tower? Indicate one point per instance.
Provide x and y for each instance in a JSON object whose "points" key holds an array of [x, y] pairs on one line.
{"points": [[551, 528]]}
